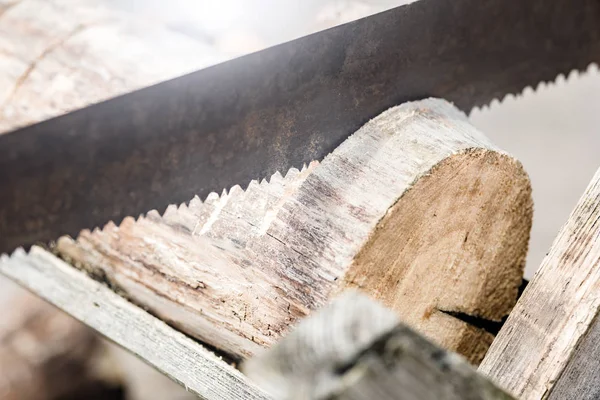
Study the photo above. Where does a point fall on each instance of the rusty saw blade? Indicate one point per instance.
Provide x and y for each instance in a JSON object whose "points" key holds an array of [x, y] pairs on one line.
{"points": [[278, 108]]}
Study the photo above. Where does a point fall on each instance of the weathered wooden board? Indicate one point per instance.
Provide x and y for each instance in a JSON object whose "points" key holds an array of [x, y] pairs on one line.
{"points": [[417, 208], [176, 355], [579, 379], [356, 349], [549, 346]]}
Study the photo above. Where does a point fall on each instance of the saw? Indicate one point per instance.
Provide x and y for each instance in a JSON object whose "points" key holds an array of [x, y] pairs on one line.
{"points": [[278, 108]]}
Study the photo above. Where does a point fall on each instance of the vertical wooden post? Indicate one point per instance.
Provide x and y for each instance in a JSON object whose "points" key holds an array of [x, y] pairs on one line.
{"points": [[550, 345]]}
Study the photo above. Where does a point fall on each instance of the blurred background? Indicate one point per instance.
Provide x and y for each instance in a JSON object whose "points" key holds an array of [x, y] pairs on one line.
{"points": [[58, 55]]}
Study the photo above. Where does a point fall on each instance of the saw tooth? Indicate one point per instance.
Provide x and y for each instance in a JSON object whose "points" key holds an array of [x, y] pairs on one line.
{"points": [[197, 217], [196, 204], [171, 208], [540, 87], [236, 190], [292, 172], [18, 252], [183, 207], [153, 215], [561, 79], [573, 75], [276, 178], [253, 184], [528, 91], [110, 225]]}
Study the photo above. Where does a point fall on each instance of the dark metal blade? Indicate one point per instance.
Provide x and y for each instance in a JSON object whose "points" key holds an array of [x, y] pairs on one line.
{"points": [[278, 108]]}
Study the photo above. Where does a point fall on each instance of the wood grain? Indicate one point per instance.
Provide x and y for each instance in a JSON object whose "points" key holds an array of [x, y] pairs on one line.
{"points": [[176, 355], [417, 208], [356, 349], [548, 346]]}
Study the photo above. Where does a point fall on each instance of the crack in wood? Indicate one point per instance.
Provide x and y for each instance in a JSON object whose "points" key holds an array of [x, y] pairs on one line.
{"points": [[487, 325]]}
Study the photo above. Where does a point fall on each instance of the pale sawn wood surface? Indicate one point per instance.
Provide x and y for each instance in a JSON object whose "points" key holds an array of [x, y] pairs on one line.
{"points": [[356, 349], [177, 356], [416, 208], [549, 346]]}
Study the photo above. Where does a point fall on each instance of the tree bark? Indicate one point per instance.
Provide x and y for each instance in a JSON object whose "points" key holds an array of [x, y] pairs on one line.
{"points": [[417, 208]]}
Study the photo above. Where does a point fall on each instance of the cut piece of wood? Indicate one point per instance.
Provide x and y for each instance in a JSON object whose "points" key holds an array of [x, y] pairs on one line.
{"points": [[549, 345], [356, 349], [176, 355], [579, 379], [47, 355], [417, 208]]}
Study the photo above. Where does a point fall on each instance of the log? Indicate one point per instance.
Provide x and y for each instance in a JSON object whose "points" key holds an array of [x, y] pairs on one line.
{"points": [[61, 55], [550, 345], [417, 209], [355, 349], [171, 352], [47, 355]]}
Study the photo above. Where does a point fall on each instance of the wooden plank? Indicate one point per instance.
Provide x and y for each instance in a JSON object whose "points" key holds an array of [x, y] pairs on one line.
{"points": [[548, 346], [579, 379], [176, 355], [357, 349], [417, 208]]}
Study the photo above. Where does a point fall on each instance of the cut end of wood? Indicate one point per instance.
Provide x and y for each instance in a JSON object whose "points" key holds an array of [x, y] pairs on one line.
{"points": [[454, 243]]}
